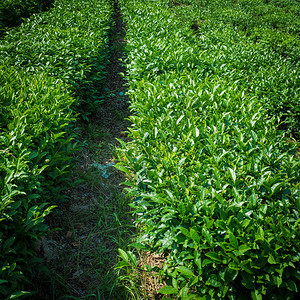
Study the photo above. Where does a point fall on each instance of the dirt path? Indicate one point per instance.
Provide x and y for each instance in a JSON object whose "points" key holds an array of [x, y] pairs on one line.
{"points": [[95, 221]]}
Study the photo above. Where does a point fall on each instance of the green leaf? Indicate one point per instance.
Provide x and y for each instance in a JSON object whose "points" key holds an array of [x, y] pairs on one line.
{"points": [[137, 245], [170, 194], [198, 263], [195, 280], [179, 119], [271, 259], [214, 256], [132, 258], [123, 255], [233, 241], [244, 248], [260, 234], [185, 231], [275, 187], [33, 154], [166, 241], [181, 162], [167, 290], [248, 280], [292, 285], [185, 271], [233, 175], [245, 223], [256, 295], [232, 265], [277, 280], [214, 281], [230, 275], [122, 264], [3, 281], [184, 293], [120, 167], [207, 235], [195, 236], [19, 294], [8, 243]]}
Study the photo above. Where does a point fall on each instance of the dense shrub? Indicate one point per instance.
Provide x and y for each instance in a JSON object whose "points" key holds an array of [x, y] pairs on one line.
{"points": [[36, 156], [274, 22], [264, 57], [12, 12], [70, 43], [216, 186], [51, 64]]}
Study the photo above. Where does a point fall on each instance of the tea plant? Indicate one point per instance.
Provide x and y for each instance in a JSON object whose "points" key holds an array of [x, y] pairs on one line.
{"points": [[216, 186], [52, 63], [263, 57], [70, 43], [36, 156], [275, 23]]}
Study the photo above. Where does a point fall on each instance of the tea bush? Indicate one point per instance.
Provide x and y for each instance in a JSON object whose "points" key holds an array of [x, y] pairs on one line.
{"points": [[263, 56], [51, 64], [12, 12], [70, 43], [36, 156], [272, 22], [216, 186]]}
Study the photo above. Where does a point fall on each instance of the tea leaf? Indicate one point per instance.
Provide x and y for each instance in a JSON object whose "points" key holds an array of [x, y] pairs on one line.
{"points": [[168, 290], [185, 271], [123, 255], [233, 240]]}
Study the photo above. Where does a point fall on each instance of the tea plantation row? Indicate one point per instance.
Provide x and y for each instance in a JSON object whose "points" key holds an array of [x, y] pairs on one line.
{"points": [[52, 64], [217, 184], [266, 48], [274, 23]]}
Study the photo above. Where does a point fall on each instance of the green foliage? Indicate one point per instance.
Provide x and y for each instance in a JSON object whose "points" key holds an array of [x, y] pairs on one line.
{"points": [[275, 22], [36, 155], [69, 43], [216, 186], [52, 63], [12, 12], [261, 40]]}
